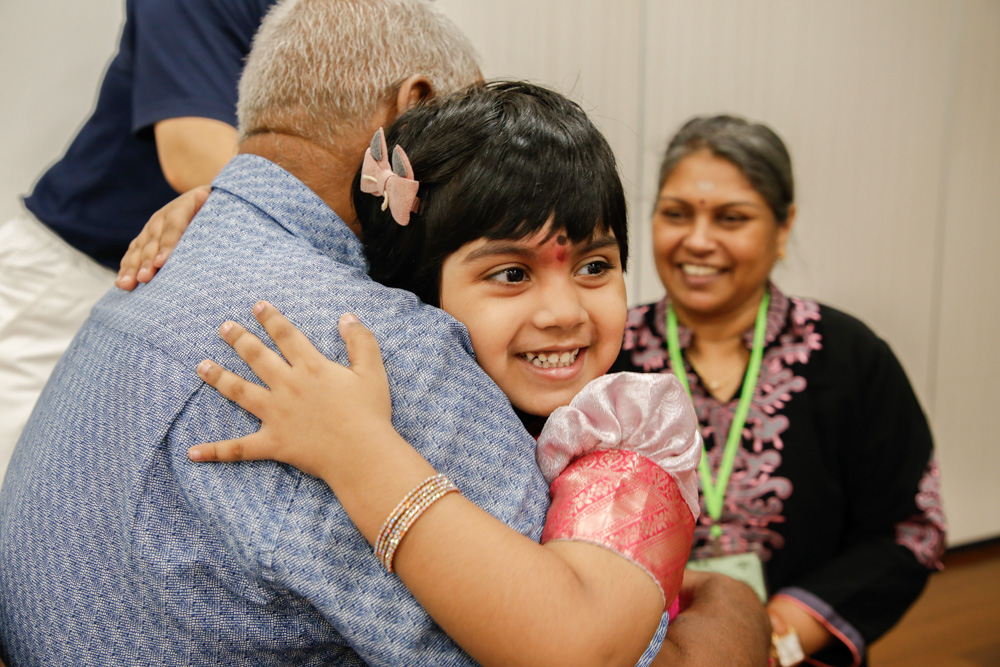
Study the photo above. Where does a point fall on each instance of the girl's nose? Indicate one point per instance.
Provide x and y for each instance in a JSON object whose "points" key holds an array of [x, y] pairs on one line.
{"points": [[559, 306]]}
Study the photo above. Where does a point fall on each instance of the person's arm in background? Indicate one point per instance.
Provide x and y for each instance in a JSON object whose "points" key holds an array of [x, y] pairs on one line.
{"points": [[148, 252], [193, 150], [188, 58]]}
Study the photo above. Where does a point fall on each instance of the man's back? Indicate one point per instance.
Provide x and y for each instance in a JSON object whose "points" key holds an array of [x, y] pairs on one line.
{"points": [[118, 550]]}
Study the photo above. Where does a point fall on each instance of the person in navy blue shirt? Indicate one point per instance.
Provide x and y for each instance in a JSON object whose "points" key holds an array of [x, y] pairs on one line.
{"points": [[165, 121]]}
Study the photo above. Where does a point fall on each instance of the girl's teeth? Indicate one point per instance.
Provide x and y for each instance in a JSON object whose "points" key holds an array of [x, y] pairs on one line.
{"points": [[552, 359]]}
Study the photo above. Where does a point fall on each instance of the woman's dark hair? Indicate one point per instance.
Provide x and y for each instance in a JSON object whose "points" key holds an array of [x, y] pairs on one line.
{"points": [[496, 161], [753, 147]]}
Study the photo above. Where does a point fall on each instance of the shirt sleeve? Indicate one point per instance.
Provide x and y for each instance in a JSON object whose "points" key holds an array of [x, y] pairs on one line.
{"points": [[293, 540], [188, 56], [895, 525]]}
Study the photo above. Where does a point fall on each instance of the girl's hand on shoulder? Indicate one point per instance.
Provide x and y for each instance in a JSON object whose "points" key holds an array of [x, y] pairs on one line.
{"points": [[312, 407]]}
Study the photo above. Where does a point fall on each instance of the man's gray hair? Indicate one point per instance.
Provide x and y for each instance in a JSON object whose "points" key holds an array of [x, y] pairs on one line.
{"points": [[321, 66]]}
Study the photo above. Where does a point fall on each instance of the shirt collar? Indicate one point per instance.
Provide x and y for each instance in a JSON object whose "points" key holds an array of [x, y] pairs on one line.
{"points": [[777, 313], [291, 204]]}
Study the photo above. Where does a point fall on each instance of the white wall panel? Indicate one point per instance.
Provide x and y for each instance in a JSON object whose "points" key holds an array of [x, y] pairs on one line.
{"points": [[587, 49], [52, 56], [859, 93], [966, 393]]}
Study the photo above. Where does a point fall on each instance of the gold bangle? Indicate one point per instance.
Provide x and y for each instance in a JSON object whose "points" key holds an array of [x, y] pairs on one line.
{"points": [[406, 513]]}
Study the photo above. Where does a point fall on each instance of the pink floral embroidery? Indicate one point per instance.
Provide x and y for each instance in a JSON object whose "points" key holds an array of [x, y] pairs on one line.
{"points": [[754, 501], [755, 497], [923, 534]]}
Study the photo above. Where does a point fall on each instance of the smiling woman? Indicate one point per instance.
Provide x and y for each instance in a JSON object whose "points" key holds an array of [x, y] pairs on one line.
{"points": [[818, 475]]}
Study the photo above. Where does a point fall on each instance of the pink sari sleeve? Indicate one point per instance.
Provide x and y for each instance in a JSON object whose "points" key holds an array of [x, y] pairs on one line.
{"points": [[622, 460]]}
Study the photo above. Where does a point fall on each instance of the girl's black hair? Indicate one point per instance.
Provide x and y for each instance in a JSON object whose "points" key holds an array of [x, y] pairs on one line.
{"points": [[497, 161]]}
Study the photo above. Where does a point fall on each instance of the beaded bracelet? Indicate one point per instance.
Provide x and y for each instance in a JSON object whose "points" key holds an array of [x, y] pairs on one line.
{"points": [[407, 512]]}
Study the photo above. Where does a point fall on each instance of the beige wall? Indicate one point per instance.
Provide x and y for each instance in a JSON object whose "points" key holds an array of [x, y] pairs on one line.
{"points": [[52, 56], [890, 109]]}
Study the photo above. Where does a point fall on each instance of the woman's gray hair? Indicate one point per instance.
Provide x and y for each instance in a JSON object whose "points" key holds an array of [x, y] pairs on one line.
{"points": [[753, 147], [321, 66]]}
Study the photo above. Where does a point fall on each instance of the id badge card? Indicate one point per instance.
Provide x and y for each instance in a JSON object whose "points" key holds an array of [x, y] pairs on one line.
{"points": [[742, 567]]}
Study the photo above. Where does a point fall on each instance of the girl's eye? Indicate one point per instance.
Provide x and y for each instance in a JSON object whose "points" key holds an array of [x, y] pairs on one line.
{"points": [[511, 274], [595, 268]]}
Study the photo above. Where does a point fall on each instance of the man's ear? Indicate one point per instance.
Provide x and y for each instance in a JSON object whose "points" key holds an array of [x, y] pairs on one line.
{"points": [[412, 92]]}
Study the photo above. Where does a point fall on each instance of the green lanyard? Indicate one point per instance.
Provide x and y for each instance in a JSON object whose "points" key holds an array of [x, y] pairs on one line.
{"points": [[716, 493]]}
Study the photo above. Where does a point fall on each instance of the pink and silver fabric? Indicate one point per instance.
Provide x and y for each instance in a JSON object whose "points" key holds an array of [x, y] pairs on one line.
{"points": [[622, 459]]}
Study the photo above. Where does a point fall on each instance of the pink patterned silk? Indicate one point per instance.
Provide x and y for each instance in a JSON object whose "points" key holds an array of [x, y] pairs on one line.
{"points": [[624, 502], [622, 459], [647, 413]]}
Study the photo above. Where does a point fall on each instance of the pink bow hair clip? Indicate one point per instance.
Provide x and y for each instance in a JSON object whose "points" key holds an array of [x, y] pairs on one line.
{"points": [[395, 182]]}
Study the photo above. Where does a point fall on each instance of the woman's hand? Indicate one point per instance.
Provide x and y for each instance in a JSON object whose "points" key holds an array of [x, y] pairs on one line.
{"points": [[787, 615], [148, 252], [309, 399]]}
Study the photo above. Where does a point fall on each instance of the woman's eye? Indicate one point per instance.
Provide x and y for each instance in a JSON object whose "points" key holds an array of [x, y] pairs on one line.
{"points": [[733, 218], [674, 216], [595, 268], [511, 274]]}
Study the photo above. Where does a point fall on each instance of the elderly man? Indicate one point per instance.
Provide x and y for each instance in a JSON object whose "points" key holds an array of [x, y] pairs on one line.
{"points": [[116, 549]]}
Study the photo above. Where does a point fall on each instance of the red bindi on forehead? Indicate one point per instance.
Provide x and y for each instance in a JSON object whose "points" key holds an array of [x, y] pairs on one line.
{"points": [[555, 250]]}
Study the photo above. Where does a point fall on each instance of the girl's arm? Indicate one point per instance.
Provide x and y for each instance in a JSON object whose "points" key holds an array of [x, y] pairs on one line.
{"points": [[501, 596]]}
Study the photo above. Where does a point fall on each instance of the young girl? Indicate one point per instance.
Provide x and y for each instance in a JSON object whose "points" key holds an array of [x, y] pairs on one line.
{"points": [[503, 206]]}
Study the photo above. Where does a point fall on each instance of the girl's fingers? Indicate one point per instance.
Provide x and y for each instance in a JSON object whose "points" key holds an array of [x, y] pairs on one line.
{"points": [[247, 395], [362, 348], [292, 343], [242, 449], [261, 359]]}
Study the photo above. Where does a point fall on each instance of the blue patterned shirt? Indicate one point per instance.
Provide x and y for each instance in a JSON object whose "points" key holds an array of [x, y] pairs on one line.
{"points": [[116, 549]]}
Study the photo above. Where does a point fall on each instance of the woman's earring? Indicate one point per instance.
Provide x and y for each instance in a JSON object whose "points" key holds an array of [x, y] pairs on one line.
{"points": [[781, 255]]}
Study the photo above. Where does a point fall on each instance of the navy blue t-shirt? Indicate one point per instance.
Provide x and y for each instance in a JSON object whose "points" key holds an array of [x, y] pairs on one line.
{"points": [[176, 58]]}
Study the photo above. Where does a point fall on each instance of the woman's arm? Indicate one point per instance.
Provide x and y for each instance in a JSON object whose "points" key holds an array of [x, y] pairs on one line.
{"points": [[501, 596]]}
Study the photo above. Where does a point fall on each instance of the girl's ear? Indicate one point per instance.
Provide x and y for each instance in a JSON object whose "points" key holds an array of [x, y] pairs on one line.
{"points": [[413, 91]]}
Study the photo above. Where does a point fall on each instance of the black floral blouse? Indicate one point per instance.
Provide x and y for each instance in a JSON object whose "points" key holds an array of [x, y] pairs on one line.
{"points": [[835, 486]]}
